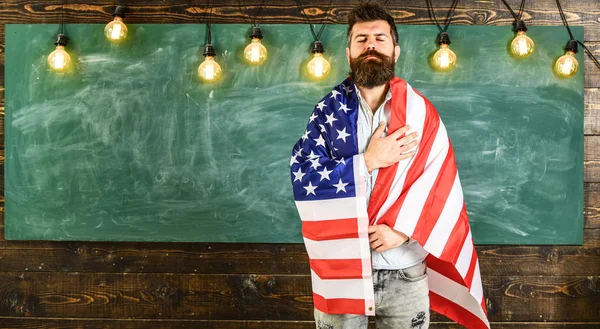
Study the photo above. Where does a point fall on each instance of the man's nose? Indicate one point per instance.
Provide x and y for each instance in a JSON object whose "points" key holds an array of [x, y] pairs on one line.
{"points": [[370, 44]]}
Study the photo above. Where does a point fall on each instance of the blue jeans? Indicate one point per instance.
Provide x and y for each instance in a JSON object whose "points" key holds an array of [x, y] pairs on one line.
{"points": [[401, 302]]}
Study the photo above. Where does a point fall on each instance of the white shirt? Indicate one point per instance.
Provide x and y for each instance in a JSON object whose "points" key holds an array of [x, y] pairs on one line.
{"points": [[406, 255]]}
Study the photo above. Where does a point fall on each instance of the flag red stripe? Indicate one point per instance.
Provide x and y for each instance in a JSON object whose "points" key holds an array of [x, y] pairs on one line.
{"points": [[446, 269], [483, 306], [471, 272], [457, 238], [339, 305], [328, 269], [437, 198], [346, 228], [385, 177], [455, 312]]}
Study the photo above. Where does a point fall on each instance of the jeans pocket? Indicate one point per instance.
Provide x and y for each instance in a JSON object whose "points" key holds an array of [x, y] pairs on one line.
{"points": [[414, 273]]}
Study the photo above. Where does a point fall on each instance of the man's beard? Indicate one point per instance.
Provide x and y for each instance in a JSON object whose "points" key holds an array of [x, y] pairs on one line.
{"points": [[370, 73]]}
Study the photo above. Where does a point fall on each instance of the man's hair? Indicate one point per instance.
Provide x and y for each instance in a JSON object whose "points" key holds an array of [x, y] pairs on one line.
{"points": [[369, 12]]}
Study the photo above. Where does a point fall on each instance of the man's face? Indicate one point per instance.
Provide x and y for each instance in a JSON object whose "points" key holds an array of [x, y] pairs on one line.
{"points": [[372, 54]]}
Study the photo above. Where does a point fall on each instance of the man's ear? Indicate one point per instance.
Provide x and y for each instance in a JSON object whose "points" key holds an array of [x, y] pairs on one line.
{"points": [[348, 55], [397, 52]]}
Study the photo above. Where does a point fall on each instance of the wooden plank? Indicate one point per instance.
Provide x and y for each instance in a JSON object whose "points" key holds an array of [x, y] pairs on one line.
{"points": [[259, 297], [591, 159], [540, 12], [591, 205], [591, 121], [52, 323], [592, 71]]}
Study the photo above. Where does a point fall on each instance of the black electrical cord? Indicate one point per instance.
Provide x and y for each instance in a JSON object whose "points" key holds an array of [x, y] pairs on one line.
{"points": [[62, 16], [208, 24], [564, 19], [514, 15], [258, 16], [448, 17], [317, 36], [574, 49]]}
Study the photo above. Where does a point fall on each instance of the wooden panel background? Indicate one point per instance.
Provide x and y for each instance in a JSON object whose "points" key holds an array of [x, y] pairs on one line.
{"points": [[47, 284]]}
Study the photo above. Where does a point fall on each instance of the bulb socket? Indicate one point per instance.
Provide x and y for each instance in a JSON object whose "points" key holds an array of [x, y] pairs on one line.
{"points": [[209, 50], [256, 33], [120, 11], [61, 40], [520, 26], [572, 46], [443, 38], [318, 47]]}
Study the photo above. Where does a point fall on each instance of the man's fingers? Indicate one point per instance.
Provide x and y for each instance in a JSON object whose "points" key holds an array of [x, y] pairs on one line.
{"points": [[406, 155], [373, 237], [408, 146], [380, 249], [372, 229], [408, 138], [399, 132], [376, 244], [380, 130]]}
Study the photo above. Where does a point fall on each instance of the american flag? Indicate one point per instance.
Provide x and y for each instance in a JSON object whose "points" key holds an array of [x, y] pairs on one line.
{"points": [[420, 196]]}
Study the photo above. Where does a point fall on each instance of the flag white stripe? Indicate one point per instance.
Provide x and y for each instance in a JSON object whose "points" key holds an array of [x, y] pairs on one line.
{"points": [[415, 118], [476, 285], [445, 224], [363, 232], [456, 293], [346, 288], [333, 249], [464, 258], [329, 209], [419, 192]]}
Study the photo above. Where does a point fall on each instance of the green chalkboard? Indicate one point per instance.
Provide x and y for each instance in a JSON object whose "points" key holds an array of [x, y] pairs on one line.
{"points": [[131, 146]]}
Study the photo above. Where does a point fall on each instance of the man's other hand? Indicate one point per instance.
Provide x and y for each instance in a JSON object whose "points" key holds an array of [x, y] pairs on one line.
{"points": [[383, 237], [385, 151]]}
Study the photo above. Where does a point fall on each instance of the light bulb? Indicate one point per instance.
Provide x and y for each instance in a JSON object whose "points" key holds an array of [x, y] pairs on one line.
{"points": [[566, 66], [59, 60], [116, 31], [444, 59], [209, 70], [255, 53], [522, 46], [318, 67]]}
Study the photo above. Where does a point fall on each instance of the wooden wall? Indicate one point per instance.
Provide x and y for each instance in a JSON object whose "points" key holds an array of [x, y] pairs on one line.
{"points": [[204, 285]]}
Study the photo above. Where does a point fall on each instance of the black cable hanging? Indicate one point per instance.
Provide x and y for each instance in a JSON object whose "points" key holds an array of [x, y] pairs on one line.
{"points": [[519, 24], [317, 44], [120, 9], [209, 70], [61, 38], [514, 15], [209, 50], [62, 15], [572, 44], [59, 59], [255, 20], [443, 36]]}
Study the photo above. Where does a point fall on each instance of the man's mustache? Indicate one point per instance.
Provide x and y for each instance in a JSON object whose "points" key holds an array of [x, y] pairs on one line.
{"points": [[374, 53]]}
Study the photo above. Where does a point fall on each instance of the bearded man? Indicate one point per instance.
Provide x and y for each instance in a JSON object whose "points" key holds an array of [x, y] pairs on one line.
{"points": [[376, 186]]}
